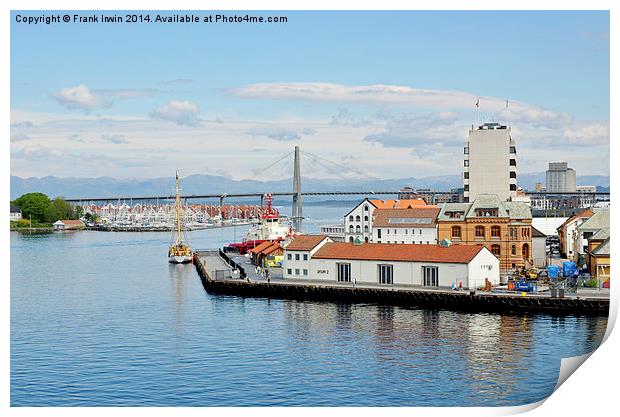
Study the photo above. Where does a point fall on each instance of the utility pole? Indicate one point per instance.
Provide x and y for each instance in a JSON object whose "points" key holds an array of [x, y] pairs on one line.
{"points": [[297, 214]]}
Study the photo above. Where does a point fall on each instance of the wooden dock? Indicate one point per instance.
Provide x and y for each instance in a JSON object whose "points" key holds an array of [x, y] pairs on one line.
{"points": [[427, 299]]}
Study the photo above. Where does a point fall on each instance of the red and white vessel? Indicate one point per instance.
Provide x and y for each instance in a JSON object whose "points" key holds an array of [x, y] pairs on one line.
{"points": [[270, 227]]}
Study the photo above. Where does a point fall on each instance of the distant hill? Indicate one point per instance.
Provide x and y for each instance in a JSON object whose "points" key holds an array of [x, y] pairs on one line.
{"points": [[208, 184]]}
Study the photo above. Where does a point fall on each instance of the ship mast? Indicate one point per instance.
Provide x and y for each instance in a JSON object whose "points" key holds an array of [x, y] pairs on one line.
{"points": [[178, 203]]}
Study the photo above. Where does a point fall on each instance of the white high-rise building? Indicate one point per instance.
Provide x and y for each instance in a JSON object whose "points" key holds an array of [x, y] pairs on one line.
{"points": [[490, 163], [561, 178]]}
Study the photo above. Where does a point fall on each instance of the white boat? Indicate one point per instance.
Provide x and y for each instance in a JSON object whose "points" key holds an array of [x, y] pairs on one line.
{"points": [[180, 252]]}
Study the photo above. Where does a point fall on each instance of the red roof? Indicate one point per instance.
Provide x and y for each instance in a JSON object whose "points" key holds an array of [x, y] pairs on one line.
{"points": [[271, 249], [305, 242], [261, 246], [399, 252], [72, 222], [399, 204]]}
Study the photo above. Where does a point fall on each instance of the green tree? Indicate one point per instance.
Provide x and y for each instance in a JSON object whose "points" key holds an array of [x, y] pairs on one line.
{"points": [[59, 209], [78, 212], [35, 205]]}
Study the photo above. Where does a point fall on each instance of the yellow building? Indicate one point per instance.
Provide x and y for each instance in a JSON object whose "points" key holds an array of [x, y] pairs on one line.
{"points": [[597, 256], [504, 227]]}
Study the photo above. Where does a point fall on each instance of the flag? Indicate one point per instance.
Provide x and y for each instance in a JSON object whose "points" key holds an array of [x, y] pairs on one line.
{"points": [[478, 103]]}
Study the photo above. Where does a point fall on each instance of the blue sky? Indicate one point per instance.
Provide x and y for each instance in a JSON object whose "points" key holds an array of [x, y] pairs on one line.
{"points": [[388, 92]]}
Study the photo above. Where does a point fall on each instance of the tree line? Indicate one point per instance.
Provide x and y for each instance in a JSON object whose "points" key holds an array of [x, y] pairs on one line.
{"points": [[43, 210]]}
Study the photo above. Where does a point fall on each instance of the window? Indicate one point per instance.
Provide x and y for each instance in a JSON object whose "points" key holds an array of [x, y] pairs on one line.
{"points": [[289, 271], [351, 238], [430, 276], [379, 233], [496, 231], [351, 229], [296, 256], [513, 149], [358, 229], [456, 232], [513, 250], [366, 229], [466, 163], [513, 162], [296, 271], [357, 218], [366, 239], [350, 218], [344, 272], [365, 218], [406, 231], [385, 274], [513, 174], [305, 272], [496, 250], [466, 150], [366, 208], [466, 175], [289, 257], [513, 187], [525, 232], [525, 251], [480, 231], [305, 256], [387, 231]]}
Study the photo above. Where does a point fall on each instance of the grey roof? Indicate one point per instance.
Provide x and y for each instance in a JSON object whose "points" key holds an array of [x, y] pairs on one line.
{"points": [[599, 220], [537, 233], [602, 249], [487, 201], [602, 234], [15, 209], [517, 210], [463, 207]]}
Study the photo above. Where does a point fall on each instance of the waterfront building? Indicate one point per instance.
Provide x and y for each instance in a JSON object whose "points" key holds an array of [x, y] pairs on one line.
{"points": [[386, 264], [358, 221], [561, 178], [16, 213], [567, 232], [599, 220], [68, 225], [297, 255], [598, 258], [503, 227], [490, 162], [539, 248], [405, 226]]}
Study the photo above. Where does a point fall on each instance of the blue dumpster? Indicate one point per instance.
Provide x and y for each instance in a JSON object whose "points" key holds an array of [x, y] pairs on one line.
{"points": [[553, 271]]}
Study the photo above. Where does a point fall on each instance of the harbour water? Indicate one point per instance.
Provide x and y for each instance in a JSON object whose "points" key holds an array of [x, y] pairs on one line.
{"points": [[102, 319]]}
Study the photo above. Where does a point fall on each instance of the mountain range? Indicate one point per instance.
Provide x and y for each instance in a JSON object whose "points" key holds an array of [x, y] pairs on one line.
{"points": [[211, 184]]}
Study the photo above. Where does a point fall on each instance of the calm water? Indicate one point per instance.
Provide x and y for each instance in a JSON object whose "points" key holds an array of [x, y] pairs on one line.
{"points": [[103, 319]]}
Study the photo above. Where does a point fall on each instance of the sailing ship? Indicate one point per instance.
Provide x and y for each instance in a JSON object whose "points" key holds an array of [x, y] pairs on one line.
{"points": [[180, 252]]}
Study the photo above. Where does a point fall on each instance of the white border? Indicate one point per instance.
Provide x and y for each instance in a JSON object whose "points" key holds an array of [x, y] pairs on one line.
{"points": [[589, 392]]}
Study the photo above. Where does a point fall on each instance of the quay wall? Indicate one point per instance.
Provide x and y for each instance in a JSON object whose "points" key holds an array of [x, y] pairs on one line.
{"points": [[461, 301]]}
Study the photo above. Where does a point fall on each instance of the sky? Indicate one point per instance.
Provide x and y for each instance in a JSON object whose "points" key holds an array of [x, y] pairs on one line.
{"points": [[389, 94]]}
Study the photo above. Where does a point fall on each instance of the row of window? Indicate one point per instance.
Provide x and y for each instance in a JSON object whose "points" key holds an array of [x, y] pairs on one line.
{"points": [[480, 232], [385, 274], [358, 229], [303, 272], [358, 218], [406, 231], [525, 250], [421, 242], [297, 257]]}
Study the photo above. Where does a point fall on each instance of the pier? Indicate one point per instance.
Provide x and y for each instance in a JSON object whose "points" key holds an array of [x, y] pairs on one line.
{"points": [[211, 267]]}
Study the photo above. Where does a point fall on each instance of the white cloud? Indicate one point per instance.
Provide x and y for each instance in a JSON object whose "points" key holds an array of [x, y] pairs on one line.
{"points": [[116, 139], [280, 133], [23, 124], [180, 112], [587, 134], [80, 97]]}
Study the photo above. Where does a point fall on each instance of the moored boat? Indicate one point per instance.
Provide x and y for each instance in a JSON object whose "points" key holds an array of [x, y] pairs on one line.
{"points": [[180, 252]]}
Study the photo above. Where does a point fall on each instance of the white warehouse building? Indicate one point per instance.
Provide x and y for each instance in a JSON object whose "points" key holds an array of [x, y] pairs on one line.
{"points": [[386, 264]]}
